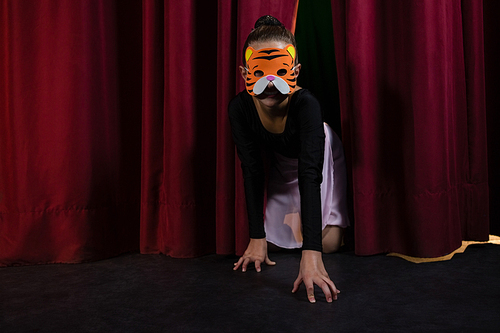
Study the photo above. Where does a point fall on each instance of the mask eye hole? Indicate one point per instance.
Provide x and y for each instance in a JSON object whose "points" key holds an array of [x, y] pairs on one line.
{"points": [[258, 73], [282, 72]]}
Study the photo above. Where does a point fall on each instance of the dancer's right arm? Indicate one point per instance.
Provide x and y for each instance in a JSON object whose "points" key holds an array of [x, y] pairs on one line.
{"points": [[250, 155]]}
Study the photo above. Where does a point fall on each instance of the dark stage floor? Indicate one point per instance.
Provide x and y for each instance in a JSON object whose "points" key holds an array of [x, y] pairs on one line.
{"points": [[155, 293]]}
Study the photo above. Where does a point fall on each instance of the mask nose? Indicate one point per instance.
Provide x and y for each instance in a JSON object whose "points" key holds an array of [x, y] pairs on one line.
{"points": [[270, 77]]}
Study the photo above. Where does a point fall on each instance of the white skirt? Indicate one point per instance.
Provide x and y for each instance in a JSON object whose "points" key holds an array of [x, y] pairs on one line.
{"points": [[282, 217]]}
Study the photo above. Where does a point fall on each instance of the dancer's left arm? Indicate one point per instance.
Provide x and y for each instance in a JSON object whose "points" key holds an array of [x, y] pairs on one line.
{"points": [[312, 270]]}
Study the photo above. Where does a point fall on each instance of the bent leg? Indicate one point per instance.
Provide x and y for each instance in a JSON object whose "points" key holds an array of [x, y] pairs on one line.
{"points": [[332, 238]]}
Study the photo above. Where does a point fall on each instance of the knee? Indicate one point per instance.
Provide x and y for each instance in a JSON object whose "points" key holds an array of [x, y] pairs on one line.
{"points": [[329, 247], [332, 239]]}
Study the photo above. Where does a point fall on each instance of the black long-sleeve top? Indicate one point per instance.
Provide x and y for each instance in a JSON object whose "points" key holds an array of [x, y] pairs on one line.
{"points": [[303, 138]]}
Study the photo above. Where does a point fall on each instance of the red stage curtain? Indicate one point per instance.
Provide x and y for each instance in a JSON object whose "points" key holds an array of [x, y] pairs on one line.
{"points": [[236, 21], [411, 77], [114, 134], [69, 159]]}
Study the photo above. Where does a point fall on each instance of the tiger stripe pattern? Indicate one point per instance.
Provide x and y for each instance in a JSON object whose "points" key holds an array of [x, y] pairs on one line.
{"points": [[270, 65]]}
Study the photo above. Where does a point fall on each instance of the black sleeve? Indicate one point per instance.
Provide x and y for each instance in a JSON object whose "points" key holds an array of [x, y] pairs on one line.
{"points": [[252, 166], [312, 143]]}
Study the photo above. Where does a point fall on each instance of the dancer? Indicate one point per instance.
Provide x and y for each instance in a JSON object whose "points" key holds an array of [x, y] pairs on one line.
{"points": [[306, 204]]}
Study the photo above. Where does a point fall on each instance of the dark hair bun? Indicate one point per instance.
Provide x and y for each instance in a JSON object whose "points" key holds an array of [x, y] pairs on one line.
{"points": [[268, 20]]}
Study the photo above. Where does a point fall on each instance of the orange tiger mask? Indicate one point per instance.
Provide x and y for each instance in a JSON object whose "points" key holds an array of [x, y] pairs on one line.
{"points": [[271, 64]]}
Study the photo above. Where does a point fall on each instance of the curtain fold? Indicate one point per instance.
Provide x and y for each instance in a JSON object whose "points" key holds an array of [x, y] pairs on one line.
{"points": [[475, 196], [227, 210], [152, 123], [411, 77], [491, 25]]}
